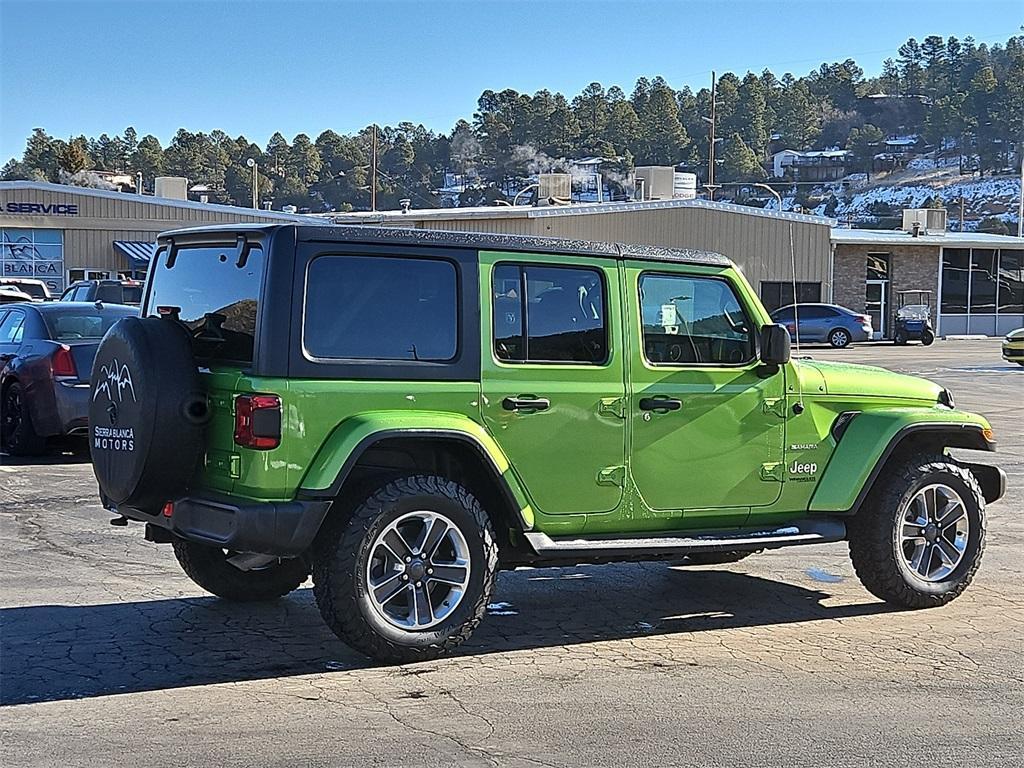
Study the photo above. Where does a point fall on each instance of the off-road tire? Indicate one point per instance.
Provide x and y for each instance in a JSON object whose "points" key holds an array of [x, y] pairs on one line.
{"points": [[340, 559], [872, 533], [716, 558], [839, 338], [19, 436], [209, 568]]}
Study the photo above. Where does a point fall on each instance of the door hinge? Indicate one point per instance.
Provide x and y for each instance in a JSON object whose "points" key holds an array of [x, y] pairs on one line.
{"points": [[612, 476], [772, 471], [612, 406], [776, 405]]}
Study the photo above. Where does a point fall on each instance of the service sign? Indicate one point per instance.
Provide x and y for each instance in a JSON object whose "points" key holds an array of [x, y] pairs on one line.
{"points": [[42, 209]]}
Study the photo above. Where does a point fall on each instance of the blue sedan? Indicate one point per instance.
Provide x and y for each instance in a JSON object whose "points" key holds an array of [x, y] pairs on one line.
{"points": [[821, 323]]}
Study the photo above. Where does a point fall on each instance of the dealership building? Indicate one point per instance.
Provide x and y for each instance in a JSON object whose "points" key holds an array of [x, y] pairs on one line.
{"points": [[61, 234], [975, 280]]}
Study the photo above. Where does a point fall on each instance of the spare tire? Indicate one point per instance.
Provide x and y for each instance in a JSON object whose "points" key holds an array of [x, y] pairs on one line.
{"points": [[147, 412]]}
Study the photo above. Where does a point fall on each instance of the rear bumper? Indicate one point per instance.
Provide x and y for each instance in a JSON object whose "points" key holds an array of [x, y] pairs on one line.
{"points": [[59, 408], [279, 528]]}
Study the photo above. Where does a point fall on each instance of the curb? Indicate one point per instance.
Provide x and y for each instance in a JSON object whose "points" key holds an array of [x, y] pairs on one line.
{"points": [[967, 337]]}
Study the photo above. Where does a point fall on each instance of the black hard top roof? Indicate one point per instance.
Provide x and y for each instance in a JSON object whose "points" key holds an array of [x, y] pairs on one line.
{"points": [[477, 240]]}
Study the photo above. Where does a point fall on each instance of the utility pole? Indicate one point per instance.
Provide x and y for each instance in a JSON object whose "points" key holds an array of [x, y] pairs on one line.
{"points": [[255, 181], [961, 213], [373, 172], [1020, 202], [711, 142]]}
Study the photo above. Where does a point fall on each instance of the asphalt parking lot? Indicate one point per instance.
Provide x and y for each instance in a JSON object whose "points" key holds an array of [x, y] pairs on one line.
{"points": [[111, 656]]}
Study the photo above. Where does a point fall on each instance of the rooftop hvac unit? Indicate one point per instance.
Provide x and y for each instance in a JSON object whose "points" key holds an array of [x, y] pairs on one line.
{"points": [[554, 187], [654, 182], [924, 221], [172, 187]]}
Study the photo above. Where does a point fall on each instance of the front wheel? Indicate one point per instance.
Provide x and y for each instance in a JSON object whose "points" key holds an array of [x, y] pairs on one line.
{"points": [[917, 541], [839, 338], [927, 337], [209, 568], [408, 574]]}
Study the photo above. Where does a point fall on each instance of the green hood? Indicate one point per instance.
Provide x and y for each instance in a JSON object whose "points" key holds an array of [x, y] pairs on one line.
{"points": [[866, 380]]}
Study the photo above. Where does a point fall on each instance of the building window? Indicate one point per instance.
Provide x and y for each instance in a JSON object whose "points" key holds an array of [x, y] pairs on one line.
{"points": [[878, 266], [1011, 282], [982, 281], [74, 275], [33, 253], [955, 280], [775, 294]]}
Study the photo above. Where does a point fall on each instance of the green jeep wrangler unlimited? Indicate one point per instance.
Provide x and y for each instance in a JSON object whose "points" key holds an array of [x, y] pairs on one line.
{"points": [[401, 413]]}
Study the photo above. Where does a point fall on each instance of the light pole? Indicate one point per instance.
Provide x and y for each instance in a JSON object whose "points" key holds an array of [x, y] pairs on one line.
{"points": [[255, 181], [773, 193], [711, 186]]}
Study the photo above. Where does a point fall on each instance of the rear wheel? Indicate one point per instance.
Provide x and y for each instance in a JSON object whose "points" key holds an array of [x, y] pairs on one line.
{"points": [[900, 338], [17, 434], [839, 338], [918, 540], [408, 574], [209, 568], [927, 337]]}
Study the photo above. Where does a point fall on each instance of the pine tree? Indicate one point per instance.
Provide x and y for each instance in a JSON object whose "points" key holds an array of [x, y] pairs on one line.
{"points": [[662, 138], [739, 162], [911, 72], [75, 156]]}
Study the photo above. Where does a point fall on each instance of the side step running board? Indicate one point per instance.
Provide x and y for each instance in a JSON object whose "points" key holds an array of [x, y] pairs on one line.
{"points": [[808, 531]]}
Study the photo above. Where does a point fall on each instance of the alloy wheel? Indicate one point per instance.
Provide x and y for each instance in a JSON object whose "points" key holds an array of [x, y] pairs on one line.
{"points": [[418, 570], [934, 530]]}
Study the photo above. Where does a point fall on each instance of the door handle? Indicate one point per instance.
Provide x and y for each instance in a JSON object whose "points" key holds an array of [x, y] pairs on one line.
{"points": [[660, 404], [525, 403]]}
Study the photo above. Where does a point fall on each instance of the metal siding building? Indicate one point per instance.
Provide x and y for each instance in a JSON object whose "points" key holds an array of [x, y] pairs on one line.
{"points": [[61, 233], [758, 241]]}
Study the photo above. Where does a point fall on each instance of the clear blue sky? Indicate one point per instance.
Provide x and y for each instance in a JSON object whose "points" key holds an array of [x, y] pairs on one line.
{"points": [[253, 68]]}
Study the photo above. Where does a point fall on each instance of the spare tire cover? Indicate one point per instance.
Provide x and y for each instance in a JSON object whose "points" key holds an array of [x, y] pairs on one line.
{"points": [[147, 412]]}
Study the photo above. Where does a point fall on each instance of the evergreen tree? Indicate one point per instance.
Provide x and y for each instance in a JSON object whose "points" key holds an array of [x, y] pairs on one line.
{"points": [[739, 162], [74, 156], [662, 138], [911, 71], [149, 159]]}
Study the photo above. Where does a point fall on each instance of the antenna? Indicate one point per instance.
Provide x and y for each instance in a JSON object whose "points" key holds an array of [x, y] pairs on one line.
{"points": [[799, 407]]}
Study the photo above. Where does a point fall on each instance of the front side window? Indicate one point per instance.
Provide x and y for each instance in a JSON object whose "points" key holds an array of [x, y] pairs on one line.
{"points": [[691, 320], [545, 314], [381, 308]]}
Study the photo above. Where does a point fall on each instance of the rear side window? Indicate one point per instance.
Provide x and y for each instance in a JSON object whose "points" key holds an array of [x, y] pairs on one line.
{"points": [[545, 314], [11, 328], [215, 292], [381, 308]]}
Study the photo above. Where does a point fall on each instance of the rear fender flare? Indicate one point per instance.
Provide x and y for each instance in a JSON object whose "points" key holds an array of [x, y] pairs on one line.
{"points": [[341, 451]]}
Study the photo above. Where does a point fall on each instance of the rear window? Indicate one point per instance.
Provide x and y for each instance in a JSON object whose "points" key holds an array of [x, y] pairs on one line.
{"points": [[76, 326], [214, 290], [381, 308]]}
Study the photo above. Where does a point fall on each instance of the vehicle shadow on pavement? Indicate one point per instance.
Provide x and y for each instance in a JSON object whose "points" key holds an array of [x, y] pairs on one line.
{"points": [[55, 652], [58, 455]]}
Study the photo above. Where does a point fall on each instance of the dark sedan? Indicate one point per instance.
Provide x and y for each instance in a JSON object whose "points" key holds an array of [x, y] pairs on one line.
{"points": [[46, 354]]}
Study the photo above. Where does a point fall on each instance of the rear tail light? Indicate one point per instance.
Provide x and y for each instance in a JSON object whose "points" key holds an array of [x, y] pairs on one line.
{"points": [[258, 421], [63, 364], [864, 319]]}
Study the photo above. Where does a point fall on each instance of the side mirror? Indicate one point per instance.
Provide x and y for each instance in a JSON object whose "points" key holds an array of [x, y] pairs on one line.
{"points": [[774, 345]]}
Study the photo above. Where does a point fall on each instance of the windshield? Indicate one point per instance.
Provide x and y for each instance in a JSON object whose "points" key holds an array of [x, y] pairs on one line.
{"points": [[77, 324], [214, 291]]}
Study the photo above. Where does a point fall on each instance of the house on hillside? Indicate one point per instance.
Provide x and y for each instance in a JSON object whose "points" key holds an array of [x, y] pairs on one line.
{"points": [[816, 165]]}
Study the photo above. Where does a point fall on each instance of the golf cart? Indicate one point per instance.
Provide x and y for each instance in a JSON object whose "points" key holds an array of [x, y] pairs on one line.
{"points": [[914, 317]]}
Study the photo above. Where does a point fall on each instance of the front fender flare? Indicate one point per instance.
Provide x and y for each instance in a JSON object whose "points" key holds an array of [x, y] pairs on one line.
{"points": [[341, 451], [872, 437]]}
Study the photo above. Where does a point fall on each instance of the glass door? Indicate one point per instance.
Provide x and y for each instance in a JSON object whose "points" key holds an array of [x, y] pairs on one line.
{"points": [[877, 306]]}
